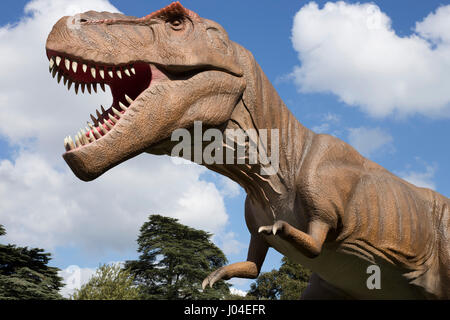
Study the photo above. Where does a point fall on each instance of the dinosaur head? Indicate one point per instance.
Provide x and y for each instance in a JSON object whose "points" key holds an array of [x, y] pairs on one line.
{"points": [[165, 71]]}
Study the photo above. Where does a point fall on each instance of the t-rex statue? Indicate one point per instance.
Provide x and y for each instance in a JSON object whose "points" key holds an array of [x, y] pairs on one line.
{"points": [[327, 207]]}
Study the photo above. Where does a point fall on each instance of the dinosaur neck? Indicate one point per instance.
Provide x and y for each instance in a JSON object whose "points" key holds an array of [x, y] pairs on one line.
{"points": [[261, 110]]}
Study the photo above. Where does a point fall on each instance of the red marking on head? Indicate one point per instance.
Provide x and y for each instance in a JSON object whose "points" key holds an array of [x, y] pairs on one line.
{"points": [[173, 8]]}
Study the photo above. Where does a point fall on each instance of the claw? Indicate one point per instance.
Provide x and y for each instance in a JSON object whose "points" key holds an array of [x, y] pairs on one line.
{"points": [[265, 229], [205, 283], [277, 226], [213, 278]]}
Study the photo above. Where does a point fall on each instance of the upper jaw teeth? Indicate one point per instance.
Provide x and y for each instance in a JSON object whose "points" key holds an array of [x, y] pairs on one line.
{"points": [[105, 120], [70, 68]]}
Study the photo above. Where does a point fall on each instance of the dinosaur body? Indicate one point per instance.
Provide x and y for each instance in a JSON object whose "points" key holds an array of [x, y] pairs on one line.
{"points": [[326, 207]]}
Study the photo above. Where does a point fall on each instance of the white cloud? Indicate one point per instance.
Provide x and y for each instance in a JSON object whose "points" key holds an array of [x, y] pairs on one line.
{"points": [[238, 292], [42, 203], [424, 179], [369, 140], [352, 51], [327, 121], [230, 245], [322, 128], [44, 207], [73, 278], [240, 285], [228, 187], [436, 26]]}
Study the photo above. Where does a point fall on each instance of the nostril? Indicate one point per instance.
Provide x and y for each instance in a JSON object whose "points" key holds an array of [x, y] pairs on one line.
{"points": [[83, 20]]}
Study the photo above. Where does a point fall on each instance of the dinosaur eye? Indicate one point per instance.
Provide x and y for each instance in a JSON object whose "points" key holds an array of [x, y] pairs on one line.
{"points": [[177, 23]]}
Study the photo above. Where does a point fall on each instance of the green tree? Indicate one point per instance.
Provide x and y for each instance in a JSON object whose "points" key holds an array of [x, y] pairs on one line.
{"points": [[110, 282], [174, 259], [24, 274], [287, 283]]}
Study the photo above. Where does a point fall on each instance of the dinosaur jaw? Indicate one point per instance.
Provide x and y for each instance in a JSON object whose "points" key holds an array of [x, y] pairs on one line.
{"points": [[127, 82], [149, 102]]}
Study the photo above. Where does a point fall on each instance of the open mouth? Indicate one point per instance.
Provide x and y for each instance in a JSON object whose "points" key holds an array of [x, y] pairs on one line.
{"points": [[127, 82]]}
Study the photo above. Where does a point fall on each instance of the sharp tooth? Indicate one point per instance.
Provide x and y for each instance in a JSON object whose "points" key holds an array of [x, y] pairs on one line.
{"points": [[117, 113], [99, 115], [58, 61], [129, 100], [102, 85], [83, 136], [77, 85], [82, 87], [94, 86], [66, 144], [93, 72], [84, 68], [102, 73], [65, 80], [96, 133], [91, 137], [119, 74], [72, 145], [87, 129], [133, 70], [93, 120], [114, 120], [69, 84], [122, 106], [111, 74], [59, 76], [74, 66], [51, 63], [80, 138], [77, 142], [108, 124], [67, 62], [103, 130], [55, 70], [103, 109], [127, 72], [88, 87]]}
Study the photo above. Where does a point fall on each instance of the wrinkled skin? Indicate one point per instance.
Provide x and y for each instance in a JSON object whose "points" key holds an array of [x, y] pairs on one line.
{"points": [[327, 207]]}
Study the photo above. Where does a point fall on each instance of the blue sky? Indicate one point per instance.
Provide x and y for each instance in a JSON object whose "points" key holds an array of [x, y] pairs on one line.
{"points": [[394, 112]]}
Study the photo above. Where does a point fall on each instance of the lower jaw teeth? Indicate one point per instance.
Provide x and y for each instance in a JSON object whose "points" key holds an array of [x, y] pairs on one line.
{"points": [[101, 127]]}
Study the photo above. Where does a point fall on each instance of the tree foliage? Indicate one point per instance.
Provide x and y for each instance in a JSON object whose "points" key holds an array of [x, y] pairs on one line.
{"points": [[287, 283], [24, 273], [110, 282], [174, 259]]}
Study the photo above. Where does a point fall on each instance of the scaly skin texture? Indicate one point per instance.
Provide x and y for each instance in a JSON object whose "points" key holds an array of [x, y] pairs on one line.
{"points": [[327, 207]]}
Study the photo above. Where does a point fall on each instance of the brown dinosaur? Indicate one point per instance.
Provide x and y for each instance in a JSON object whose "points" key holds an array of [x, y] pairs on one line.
{"points": [[327, 207]]}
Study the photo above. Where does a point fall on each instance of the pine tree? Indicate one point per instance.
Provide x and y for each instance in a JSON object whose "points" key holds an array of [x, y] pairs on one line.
{"points": [[24, 273], [174, 259]]}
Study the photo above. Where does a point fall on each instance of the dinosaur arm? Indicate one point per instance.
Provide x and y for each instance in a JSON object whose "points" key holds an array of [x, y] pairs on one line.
{"points": [[310, 244], [247, 269]]}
